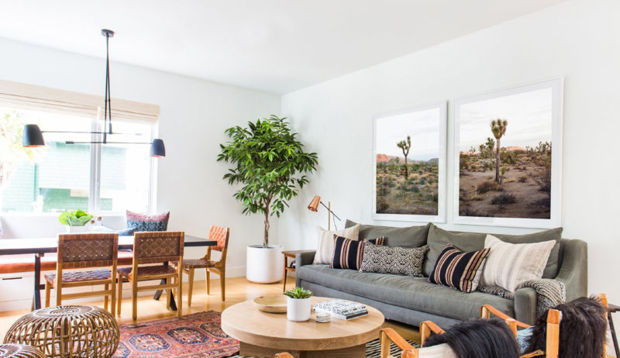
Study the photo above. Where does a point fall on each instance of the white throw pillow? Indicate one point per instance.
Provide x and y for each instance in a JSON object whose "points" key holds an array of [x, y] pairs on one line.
{"points": [[509, 265], [325, 250]]}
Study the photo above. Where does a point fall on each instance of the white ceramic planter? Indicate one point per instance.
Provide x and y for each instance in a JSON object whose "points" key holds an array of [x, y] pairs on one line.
{"points": [[264, 264], [77, 229], [298, 309]]}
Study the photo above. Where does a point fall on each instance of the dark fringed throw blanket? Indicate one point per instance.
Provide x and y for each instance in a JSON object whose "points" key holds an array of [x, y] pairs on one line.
{"points": [[549, 293]]}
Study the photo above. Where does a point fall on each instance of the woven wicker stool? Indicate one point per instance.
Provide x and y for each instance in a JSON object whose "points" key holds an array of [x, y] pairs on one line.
{"points": [[67, 332], [19, 351]]}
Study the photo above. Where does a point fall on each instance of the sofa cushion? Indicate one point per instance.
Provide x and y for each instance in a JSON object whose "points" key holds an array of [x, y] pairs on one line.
{"points": [[457, 269], [147, 222], [405, 291], [438, 239], [510, 265], [394, 260], [348, 254], [410, 236], [325, 249]]}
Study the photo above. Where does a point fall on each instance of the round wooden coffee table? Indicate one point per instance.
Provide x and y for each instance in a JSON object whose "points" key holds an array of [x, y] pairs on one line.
{"points": [[264, 334]]}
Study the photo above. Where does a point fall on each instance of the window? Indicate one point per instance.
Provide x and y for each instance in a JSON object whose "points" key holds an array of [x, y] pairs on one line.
{"points": [[63, 176]]}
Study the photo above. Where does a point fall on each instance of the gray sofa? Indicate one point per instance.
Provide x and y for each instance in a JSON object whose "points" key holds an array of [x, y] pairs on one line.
{"points": [[413, 300]]}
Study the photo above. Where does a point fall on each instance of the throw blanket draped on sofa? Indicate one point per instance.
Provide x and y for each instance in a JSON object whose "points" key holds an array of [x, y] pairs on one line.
{"points": [[549, 293]]}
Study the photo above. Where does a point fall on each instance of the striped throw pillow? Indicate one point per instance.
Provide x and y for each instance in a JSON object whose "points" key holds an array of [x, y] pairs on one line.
{"points": [[457, 269], [348, 254]]}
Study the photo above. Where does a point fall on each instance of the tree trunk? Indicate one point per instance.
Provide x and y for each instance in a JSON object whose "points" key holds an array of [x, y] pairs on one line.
{"points": [[497, 162], [406, 170], [266, 237]]}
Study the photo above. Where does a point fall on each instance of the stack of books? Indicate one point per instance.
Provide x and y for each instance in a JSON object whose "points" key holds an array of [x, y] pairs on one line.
{"points": [[342, 309]]}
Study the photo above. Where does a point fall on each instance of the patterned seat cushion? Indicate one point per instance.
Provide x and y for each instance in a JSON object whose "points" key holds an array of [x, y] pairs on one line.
{"points": [[77, 276], [146, 222], [148, 271], [198, 263]]}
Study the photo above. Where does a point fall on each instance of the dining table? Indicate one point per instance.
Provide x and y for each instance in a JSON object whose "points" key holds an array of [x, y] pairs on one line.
{"points": [[41, 246]]}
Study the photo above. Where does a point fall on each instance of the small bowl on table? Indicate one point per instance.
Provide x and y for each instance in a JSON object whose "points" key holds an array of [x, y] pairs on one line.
{"points": [[271, 303]]}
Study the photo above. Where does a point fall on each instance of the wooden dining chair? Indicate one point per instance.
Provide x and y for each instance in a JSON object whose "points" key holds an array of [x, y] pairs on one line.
{"points": [[80, 251], [151, 253], [220, 234]]}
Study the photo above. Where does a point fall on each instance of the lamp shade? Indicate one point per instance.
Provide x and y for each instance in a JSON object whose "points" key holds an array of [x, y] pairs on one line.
{"points": [[33, 136], [314, 204], [158, 150]]}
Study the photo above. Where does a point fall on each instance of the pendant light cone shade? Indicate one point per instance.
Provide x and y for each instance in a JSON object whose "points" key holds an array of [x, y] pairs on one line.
{"points": [[314, 204], [33, 136], [158, 150]]}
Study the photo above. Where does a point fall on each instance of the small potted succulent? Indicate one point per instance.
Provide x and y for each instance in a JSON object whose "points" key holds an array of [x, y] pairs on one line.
{"points": [[75, 220], [298, 307]]}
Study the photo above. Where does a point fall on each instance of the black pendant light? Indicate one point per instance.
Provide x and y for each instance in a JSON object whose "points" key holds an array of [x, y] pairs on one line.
{"points": [[33, 136]]}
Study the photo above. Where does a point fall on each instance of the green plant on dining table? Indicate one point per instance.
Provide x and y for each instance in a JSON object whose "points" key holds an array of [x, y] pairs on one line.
{"points": [[298, 293], [74, 218]]}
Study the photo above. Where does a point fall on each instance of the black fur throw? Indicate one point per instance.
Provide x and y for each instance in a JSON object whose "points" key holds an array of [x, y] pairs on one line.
{"points": [[481, 338], [583, 329]]}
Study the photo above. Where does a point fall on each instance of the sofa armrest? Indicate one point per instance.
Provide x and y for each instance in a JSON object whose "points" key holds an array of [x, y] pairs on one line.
{"points": [[304, 258], [574, 268], [525, 305]]}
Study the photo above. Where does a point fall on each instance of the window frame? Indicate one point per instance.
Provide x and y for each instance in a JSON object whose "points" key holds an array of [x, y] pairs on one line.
{"points": [[94, 189]]}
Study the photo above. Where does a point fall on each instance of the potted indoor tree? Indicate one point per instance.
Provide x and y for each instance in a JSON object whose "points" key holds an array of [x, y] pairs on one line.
{"points": [[270, 165], [298, 306]]}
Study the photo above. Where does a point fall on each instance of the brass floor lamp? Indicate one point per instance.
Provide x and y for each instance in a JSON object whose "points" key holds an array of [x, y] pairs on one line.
{"points": [[314, 206]]}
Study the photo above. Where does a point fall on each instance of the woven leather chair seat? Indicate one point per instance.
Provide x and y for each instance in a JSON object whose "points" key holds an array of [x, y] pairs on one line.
{"points": [[198, 263], [148, 271], [77, 276]]}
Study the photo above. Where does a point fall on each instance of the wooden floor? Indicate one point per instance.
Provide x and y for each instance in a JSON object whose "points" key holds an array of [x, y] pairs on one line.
{"points": [[237, 290]]}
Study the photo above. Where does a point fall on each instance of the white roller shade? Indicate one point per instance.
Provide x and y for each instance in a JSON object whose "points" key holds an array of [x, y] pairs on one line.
{"points": [[20, 95]]}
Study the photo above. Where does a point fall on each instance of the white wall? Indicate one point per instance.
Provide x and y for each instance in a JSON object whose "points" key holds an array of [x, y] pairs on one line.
{"points": [[577, 40], [194, 115]]}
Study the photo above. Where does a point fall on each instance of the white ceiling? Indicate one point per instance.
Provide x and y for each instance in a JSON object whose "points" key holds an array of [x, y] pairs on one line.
{"points": [[273, 45]]}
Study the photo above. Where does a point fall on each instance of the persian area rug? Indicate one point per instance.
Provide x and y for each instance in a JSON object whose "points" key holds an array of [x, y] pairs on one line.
{"points": [[194, 336]]}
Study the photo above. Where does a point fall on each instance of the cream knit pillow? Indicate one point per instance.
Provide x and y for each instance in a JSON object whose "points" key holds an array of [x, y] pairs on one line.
{"points": [[325, 250], [509, 265]]}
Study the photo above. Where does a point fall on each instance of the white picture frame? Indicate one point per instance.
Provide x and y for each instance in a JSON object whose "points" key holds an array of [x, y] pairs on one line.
{"points": [[555, 204], [439, 111]]}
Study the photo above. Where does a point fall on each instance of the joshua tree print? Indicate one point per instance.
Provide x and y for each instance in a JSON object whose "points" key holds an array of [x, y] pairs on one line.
{"points": [[498, 127], [405, 146]]}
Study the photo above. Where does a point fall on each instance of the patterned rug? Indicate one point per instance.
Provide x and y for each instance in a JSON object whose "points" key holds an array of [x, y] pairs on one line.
{"points": [[194, 336], [373, 350]]}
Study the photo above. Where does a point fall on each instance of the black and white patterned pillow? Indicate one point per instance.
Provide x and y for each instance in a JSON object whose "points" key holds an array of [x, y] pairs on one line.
{"points": [[395, 260]]}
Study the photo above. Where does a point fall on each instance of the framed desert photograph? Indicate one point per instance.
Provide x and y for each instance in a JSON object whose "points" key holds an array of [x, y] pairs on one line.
{"points": [[409, 164], [508, 157]]}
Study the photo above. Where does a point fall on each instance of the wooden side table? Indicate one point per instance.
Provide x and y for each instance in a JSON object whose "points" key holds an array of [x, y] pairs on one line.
{"points": [[290, 254]]}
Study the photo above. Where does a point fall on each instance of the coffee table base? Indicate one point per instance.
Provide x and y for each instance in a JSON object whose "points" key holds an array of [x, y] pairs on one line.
{"points": [[351, 352]]}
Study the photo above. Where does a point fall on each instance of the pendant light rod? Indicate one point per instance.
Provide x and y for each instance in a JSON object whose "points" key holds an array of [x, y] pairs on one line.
{"points": [[107, 113]]}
